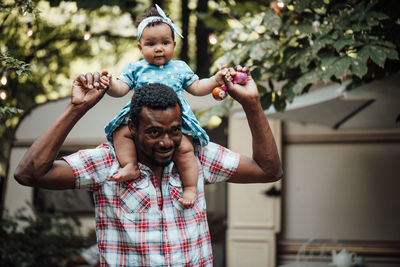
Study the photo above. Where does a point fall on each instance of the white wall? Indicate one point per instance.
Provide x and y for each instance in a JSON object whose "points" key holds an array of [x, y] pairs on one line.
{"points": [[342, 191], [342, 187]]}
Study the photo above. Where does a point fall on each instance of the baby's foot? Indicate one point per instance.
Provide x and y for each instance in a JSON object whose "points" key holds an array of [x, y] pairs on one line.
{"points": [[127, 173], [189, 196]]}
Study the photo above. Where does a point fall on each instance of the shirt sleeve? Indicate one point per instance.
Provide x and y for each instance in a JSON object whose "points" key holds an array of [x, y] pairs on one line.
{"points": [[92, 167], [188, 75], [218, 163], [127, 75]]}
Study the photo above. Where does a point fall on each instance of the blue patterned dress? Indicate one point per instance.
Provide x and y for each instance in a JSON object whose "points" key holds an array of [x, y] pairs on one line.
{"points": [[176, 74]]}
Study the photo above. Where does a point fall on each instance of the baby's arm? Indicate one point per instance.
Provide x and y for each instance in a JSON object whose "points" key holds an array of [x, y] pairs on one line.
{"points": [[117, 88], [205, 86]]}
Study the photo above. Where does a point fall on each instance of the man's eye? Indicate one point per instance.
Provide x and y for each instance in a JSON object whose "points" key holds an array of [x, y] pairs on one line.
{"points": [[154, 133], [176, 130]]}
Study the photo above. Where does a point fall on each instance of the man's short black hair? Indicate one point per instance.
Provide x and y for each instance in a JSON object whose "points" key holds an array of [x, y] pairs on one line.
{"points": [[153, 96]]}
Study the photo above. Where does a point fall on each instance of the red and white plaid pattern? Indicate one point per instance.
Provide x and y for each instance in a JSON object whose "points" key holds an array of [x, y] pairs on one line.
{"points": [[139, 223]]}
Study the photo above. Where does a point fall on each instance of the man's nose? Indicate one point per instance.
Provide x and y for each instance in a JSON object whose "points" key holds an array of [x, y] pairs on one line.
{"points": [[166, 141]]}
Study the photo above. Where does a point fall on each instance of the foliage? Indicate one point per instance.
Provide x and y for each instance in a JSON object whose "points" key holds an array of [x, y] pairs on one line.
{"points": [[308, 41], [39, 67], [40, 240]]}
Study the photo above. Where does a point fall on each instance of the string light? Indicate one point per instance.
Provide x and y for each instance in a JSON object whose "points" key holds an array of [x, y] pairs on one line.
{"points": [[212, 39], [276, 8], [4, 78], [281, 4], [86, 35], [3, 94], [30, 30]]}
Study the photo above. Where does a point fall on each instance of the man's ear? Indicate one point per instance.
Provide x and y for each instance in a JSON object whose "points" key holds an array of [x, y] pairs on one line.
{"points": [[132, 128]]}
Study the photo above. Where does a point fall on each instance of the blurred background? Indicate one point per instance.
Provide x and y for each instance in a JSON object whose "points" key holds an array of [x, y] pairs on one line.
{"points": [[327, 72]]}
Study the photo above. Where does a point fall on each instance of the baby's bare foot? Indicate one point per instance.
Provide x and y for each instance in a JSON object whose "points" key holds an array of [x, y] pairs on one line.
{"points": [[127, 173], [189, 196]]}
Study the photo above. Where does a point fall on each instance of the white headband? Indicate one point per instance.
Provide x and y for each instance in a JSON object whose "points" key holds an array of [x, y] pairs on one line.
{"points": [[152, 19]]}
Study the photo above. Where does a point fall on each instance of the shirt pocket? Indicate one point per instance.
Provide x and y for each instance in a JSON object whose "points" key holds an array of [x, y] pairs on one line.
{"points": [[135, 196], [176, 189]]}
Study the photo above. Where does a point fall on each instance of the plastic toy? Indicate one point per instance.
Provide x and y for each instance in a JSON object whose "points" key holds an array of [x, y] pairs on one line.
{"points": [[220, 92]]}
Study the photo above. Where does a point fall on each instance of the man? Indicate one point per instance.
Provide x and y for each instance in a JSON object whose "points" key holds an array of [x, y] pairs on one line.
{"points": [[141, 222]]}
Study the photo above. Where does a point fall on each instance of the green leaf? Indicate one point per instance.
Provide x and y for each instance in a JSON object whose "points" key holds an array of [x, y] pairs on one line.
{"points": [[266, 100], [320, 43], [391, 53], [339, 44], [272, 21], [301, 58], [257, 52], [377, 15], [303, 81], [279, 102], [377, 54], [337, 68], [359, 66]]}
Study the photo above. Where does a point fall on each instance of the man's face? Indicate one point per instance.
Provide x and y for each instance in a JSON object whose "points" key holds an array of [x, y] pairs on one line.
{"points": [[157, 136], [157, 44]]}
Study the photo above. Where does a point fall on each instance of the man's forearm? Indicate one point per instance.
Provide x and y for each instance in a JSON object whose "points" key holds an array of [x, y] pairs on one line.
{"points": [[265, 152], [38, 160]]}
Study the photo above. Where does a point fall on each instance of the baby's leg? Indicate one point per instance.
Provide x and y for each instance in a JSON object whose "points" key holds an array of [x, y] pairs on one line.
{"points": [[125, 150], [186, 164]]}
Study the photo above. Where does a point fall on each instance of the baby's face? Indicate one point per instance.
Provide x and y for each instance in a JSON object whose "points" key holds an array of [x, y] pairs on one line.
{"points": [[157, 44]]}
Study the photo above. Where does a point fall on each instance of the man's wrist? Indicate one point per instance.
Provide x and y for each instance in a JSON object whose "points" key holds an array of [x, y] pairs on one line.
{"points": [[77, 110], [251, 103]]}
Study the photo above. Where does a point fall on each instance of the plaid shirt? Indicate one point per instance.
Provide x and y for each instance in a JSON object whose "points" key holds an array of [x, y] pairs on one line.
{"points": [[139, 223]]}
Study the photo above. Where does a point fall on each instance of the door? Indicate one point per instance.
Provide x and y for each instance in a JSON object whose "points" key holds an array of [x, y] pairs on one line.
{"points": [[254, 210]]}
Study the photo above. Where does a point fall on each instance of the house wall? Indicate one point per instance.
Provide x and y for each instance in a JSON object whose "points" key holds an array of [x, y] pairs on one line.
{"points": [[342, 187]]}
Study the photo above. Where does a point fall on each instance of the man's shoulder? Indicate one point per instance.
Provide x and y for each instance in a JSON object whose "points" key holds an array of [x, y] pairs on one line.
{"points": [[218, 163], [214, 152], [104, 151]]}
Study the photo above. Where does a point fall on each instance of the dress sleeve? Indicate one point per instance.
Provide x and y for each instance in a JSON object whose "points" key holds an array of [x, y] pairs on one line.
{"points": [[92, 167], [188, 75], [127, 75], [218, 163]]}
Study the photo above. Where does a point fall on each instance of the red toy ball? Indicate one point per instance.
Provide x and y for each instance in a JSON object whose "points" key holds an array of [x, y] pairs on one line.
{"points": [[219, 93]]}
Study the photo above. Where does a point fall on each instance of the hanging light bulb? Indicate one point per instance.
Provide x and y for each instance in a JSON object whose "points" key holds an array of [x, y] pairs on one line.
{"points": [[86, 35], [281, 4], [212, 39], [4, 78], [3, 94], [275, 7], [30, 30]]}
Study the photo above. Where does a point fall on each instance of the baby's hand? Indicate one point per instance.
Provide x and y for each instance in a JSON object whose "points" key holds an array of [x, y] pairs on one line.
{"points": [[223, 72], [105, 80]]}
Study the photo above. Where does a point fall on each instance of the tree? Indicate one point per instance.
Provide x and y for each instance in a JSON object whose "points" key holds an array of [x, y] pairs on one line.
{"points": [[39, 54], [304, 41]]}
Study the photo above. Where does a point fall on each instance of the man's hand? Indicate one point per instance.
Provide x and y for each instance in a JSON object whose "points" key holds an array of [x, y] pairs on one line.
{"points": [[246, 94], [87, 90]]}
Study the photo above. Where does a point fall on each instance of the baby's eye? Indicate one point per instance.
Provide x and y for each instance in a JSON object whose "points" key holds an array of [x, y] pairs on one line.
{"points": [[150, 44], [165, 43]]}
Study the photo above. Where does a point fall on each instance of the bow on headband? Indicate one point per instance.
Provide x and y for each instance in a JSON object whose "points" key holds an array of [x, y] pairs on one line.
{"points": [[163, 18]]}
